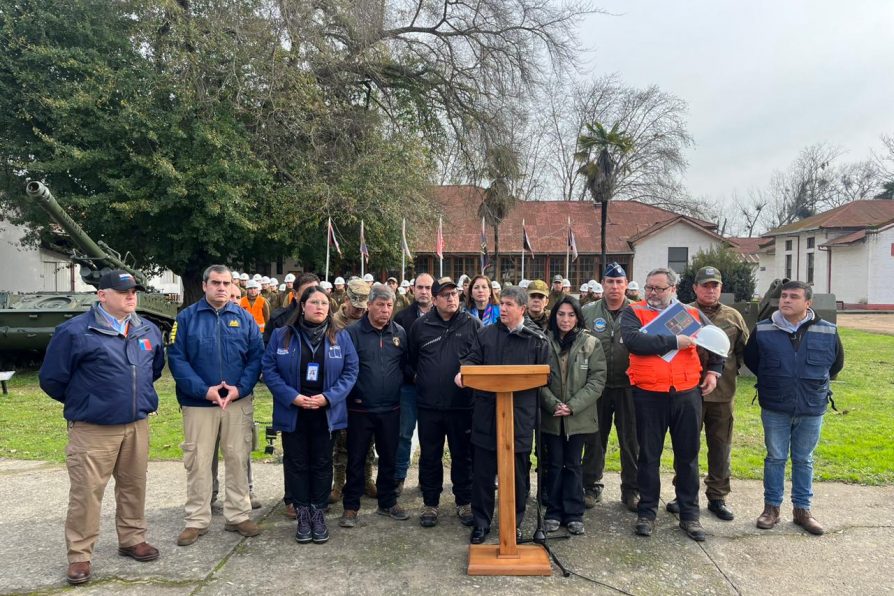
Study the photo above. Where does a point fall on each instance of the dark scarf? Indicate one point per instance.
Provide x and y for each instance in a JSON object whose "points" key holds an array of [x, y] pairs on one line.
{"points": [[709, 310], [566, 342], [314, 333]]}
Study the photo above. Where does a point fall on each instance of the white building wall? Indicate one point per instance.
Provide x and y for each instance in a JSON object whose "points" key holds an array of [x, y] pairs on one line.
{"points": [[766, 272], [880, 250], [651, 252], [850, 273]]}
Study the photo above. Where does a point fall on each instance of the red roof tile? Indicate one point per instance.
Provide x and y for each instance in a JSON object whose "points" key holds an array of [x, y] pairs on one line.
{"points": [[546, 222], [846, 239], [857, 214], [747, 246]]}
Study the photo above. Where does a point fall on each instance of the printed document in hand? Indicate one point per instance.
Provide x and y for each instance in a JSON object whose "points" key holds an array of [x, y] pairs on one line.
{"points": [[673, 320]]}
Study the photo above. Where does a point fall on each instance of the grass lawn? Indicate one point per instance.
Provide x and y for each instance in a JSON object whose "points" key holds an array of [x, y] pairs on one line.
{"points": [[855, 445]]}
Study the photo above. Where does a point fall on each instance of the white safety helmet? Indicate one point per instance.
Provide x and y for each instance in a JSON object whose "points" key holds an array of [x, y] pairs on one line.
{"points": [[243, 276], [595, 287], [368, 278], [463, 279], [413, 282], [405, 284], [325, 285], [566, 283], [402, 290], [274, 281], [495, 285], [289, 278], [712, 338], [234, 273], [524, 283], [265, 281], [584, 288], [256, 277], [252, 285], [633, 286], [282, 287], [592, 282], [339, 281]]}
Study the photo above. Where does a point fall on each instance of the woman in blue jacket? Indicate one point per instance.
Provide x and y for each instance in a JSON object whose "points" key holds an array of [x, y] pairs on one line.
{"points": [[480, 302], [310, 369]]}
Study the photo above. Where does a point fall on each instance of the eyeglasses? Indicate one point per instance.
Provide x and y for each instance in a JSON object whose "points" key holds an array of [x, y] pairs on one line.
{"points": [[447, 295], [656, 289]]}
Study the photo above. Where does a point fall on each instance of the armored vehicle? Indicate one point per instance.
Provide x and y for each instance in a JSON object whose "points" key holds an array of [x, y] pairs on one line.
{"points": [[27, 321]]}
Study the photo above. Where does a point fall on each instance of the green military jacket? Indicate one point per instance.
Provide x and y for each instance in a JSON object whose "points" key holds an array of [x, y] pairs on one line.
{"points": [[576, 379], [731, 321], [599, 321]]}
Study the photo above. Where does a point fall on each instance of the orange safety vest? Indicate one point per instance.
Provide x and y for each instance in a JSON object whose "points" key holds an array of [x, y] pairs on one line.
{"points": [[651, 372], [256, 309], [290, 295]]}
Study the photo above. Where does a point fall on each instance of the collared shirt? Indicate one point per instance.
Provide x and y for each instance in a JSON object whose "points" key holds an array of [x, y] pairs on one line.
{"points": [[119, 326], [780, 321]]}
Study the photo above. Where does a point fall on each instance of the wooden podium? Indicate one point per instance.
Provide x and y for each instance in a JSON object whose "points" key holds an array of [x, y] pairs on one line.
{"points": [[508, 557]]}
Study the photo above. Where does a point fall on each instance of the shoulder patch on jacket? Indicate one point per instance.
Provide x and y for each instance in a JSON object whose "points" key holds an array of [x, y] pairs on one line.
{"points": [[234, 323]]}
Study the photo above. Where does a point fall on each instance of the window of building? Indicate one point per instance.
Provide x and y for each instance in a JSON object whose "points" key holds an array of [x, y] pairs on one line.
{"points": [[811, 242], [556, 267], [279, 265], [677, 258], [788, 245], [810, 267], [788, 266], [583, 270]]}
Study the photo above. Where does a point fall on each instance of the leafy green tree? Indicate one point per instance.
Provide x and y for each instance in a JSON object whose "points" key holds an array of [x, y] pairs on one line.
{"points": [[738, 275]]}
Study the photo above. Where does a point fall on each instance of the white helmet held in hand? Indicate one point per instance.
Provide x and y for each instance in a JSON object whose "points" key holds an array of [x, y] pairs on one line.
{"points": [[712, 338]]}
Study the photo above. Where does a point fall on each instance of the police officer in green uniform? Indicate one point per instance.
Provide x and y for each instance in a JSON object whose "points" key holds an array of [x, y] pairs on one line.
{"points": [[603, 319], [557, 291], [538, 300]]}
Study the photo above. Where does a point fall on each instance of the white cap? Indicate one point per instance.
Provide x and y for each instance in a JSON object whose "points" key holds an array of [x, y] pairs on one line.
{"points": [[495, 285], [405, 284], [265, 281], [325, 285], [252, 285], [368, 278], [339, 281], [596, 287], [289, 278], [256, 277], [585, 288], [633, 286], [282, 287], [243, 276], [566, 283], [524, 283], [377, 283], [274, 281]]}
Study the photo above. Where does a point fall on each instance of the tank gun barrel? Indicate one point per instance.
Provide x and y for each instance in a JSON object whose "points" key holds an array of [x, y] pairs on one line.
{"points": [[98, 258]]}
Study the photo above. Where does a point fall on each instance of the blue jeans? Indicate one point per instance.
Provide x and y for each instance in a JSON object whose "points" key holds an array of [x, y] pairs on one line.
{"points": [[407, 426], [801, 434]]}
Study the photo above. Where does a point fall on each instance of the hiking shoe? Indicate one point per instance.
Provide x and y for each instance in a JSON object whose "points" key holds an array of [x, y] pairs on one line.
{"points": [[290, 511], [400, 487], [718, 507], [631, 501], [429, 517], [551, 525], [335, 495], [693, 529], [303, 534], [348, 519], [673, 507], [318, 530], [370, 490], [190, 535], [247, 528], [576, 528], [769, 518], [480, 534], [592, 496], [803, 518], [394, 512], [644, 526], [255, 502], [464, 513], [139, 552]]}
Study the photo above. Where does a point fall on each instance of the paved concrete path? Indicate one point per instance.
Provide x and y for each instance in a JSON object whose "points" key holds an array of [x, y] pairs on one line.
{"points": [[382, 556]]}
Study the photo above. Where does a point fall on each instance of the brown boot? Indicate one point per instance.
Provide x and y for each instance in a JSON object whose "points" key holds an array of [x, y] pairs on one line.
{"points": [[769, 518], [803, 518]]}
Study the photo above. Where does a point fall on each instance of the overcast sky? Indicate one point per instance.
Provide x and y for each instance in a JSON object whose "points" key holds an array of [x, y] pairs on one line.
{"points": [[763, 78]]}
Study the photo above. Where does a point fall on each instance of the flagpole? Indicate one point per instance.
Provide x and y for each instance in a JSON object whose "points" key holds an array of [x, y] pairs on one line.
{"points": [[362, 239], [523, 251], [403, 253], [567, 249], [441, 257], [328, 231]]}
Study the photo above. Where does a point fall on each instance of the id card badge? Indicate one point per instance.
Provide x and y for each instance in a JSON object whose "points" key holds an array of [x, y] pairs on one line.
{"points": [[313, 372]]}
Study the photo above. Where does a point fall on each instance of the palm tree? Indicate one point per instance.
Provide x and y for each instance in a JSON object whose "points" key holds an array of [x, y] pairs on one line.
{"points": [[501, 166], [600, 151]]}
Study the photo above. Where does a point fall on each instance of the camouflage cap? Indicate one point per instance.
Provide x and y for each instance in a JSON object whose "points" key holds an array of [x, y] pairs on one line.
{"points": [[538, 286], [706, 274], [358, 293]]}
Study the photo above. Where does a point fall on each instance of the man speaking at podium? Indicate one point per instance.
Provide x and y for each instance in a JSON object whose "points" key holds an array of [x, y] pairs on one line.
{"points": [[666, 396], [507, 342]]}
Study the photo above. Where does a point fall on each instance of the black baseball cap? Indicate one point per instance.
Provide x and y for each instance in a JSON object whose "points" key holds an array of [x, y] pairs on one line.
{"points": [[119, 280], [442, 284]]}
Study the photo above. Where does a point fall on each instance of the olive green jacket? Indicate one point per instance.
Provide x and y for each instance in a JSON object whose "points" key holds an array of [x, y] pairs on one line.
{"points": [[731, 321], [598, 321], [577, 382]]}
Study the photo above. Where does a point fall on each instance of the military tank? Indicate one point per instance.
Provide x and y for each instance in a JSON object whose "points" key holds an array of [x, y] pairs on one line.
{"points": [[27, 321], [823, 304]]}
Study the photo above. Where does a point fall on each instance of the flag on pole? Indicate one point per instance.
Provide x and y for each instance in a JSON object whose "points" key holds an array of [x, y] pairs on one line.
{"points": [[483, 246], [403, 241], [364, 250], [439, 249], [333, 241], [526, 242], [572, 244]]}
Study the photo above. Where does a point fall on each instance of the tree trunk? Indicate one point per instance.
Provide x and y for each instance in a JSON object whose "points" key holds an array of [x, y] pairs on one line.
{"points": [[192, 286], [496, 274], [604, 219]]}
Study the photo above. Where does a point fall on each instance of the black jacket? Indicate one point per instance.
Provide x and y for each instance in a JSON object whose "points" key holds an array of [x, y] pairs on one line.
{"points": [[408, 316], [278, 318], [436, 346], [495, 344], [383, 361]]}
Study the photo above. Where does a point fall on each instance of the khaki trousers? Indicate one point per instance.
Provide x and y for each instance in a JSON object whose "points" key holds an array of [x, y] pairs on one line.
{"points": [[96, 452], [200, 430]]}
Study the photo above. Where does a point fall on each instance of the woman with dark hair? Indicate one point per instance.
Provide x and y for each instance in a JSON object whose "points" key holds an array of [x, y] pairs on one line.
{"points": [[309, 368], [568, 405], [480, 302]]}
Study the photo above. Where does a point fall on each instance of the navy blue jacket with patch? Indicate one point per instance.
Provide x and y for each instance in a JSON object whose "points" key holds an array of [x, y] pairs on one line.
{"points": [[383, 365], [101, 376], [209, 346]]}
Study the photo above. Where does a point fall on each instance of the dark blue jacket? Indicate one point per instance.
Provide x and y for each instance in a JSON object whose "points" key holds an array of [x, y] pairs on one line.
{"points": [[793, 369], [281, 369], [101, 376], [383, 362], [209, 346]]}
